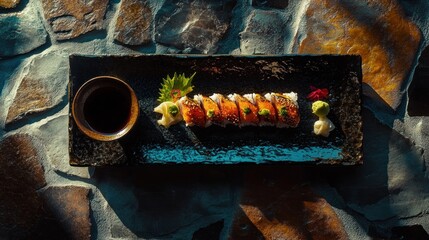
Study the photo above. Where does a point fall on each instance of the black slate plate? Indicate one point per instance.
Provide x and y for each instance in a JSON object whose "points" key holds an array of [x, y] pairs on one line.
{"points": [[149, 143]]}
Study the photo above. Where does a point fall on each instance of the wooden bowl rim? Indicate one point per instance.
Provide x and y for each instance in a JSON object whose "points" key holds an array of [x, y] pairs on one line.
{"points": [[92, 133]]}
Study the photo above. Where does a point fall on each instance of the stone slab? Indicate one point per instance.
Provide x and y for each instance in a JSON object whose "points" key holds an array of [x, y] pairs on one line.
{"points": [[149, 143]]}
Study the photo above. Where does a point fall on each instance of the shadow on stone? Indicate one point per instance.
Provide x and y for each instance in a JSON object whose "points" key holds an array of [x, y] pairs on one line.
{"points": [[87, 37], [211, 232], [146, 48], [280, 4], [414, 232], [167, 201], [389, 186], [418, 98], [352, 182]]}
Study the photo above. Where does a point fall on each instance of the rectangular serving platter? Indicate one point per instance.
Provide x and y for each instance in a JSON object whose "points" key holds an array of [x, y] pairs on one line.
{"points": [[149, 143]]}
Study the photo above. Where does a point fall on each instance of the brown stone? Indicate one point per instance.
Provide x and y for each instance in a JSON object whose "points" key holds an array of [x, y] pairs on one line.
{"points": [[42, 88], [70, 206], [9, 3], [133, 23], [70, 19], [281, 208], [376, 30], [21, 174], [31, 97]]}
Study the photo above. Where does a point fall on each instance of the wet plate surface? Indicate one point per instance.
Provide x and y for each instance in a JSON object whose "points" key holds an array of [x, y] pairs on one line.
{"points": [[149, 143]]}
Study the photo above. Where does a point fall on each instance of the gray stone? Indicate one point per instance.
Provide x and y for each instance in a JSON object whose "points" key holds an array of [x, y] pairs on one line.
{"points": [[54, 134], [70, 207], [417, 129], [264, 33], [391, 183], [195, 24], [21, 174], [70, 19], [21, 32], [133, 22], [43, 87]]}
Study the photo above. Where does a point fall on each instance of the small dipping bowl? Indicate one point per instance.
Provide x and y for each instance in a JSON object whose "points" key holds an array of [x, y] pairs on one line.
{"points": [[105, 108]]}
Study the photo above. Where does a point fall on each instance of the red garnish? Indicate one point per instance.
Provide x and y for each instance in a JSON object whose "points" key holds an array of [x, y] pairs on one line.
{"points": [[175, 94], [317, 94]]}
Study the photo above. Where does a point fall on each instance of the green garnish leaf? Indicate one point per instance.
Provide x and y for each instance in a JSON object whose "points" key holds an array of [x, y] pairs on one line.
{"points": [[264, 112], [210, 113], [172, 89], [283, 112], [173, 110], [247, 110]]}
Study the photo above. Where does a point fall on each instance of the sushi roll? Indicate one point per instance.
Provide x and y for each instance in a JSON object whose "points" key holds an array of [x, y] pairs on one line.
{"points": [[248, 112], [266, 110], [192, 112], [228, 108], [211, 110], [286, 109]]}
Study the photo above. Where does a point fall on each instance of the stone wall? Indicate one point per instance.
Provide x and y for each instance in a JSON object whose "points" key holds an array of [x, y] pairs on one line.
{"points": [[42, 197]]}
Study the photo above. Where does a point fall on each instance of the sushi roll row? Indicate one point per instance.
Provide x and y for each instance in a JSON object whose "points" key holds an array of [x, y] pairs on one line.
{"points": [[272, 109]]}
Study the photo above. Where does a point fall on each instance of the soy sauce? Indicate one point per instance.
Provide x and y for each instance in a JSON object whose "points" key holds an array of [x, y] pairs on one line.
{"points": [[107, 109]]}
